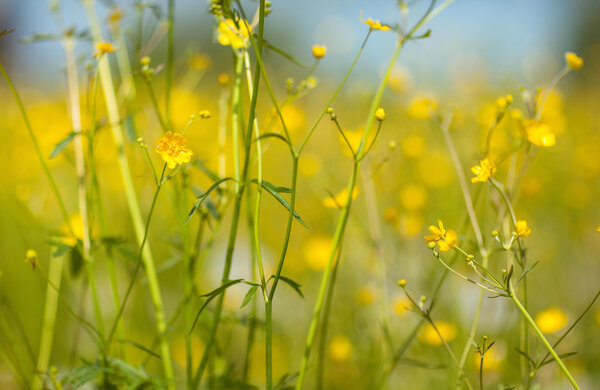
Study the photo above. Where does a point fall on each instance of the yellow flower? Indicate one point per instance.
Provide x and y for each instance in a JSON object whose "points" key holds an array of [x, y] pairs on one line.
{"points": [[429, 336], [401, 306], [598, 229], [223, 79], [522, 229], [551, 320], [230, 35], [483, 172], [492, 360], [340, 348], [504, 101], [421, 108], [380, 114], [103, 47], [319, 51], [115, 15], [445, 239], [339, 201], [413, 197], [365, 296], [376, 25], [316, 252], [573, 60], [199, 61], [539, 134], [31, 258], [413, 146], [172, 149], [390, 215]]}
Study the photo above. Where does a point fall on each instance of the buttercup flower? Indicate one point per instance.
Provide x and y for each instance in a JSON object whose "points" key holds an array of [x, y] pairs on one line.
{"points": [[539, 133], [551, 320], [483, 171], [573, 60], [522, 229], [230, 35], [376, 25], [339, 201], [429, 336], [103, 47], [172, 150], [445, 239], [319, 51]]}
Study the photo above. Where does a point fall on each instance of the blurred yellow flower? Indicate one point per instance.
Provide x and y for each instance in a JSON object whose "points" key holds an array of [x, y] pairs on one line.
{"points": [[413, 146], [483, 171], [413, 197], [340, 348], [230, 35], [376, 25], [573, 60], [316, 252], [401, 306], [421, 108], [310, 165], [428, 335], [390, 215], [365, 296], [492, 360], [412, 224], [103, 47], [504, 101], [598, 229], [199, 61], [551, 320], [522, 229], [115, 15], [445, 239], [435, 169], [77, 226], [339, 201], [223, 79], [172, 150], [319, 51], [539, 133]]}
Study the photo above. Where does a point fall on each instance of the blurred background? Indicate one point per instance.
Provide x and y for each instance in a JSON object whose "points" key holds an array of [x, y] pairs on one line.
{"points": [[477, 52]]}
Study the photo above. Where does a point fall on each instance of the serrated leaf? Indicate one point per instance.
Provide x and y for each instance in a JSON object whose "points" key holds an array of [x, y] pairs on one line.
{"points": [[82, 375], [249, 296], [62, 144], [270, 189]]}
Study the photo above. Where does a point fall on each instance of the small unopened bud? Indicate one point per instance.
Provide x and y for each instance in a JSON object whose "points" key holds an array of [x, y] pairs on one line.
{"points": [[31, 258], [392, 145], [319, 51], [330, 110], [470, 257], [495, 233], [145, 61], [402, 283], [204, 114], [380, 114], [431, 244]]}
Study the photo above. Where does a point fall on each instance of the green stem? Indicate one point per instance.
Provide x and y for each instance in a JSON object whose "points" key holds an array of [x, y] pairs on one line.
{"points": [[129, 189], [170, 54], [49, 320], [325, 280], [543, 340]]}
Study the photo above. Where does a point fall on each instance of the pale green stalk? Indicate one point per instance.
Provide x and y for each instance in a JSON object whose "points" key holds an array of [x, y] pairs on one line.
{"points": [[48, 322], [129, 189]]}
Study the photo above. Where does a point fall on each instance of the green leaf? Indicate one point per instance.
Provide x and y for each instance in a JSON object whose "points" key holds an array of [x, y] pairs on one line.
{"points": [[204, 195], [273, 135], [427, 34], [271, 189], [532, 266], [296, 286], [61, 145], [75, 261], [562, 356], [141, 347], [211, 174], [249, 296], [60, 249], [212, 295], [527, 356], [82, 375], [6, 32]]}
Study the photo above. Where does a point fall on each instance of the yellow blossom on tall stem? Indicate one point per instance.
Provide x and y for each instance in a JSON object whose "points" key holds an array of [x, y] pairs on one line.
{"points": [[539, 133], [483, 171], [231, 35], [103, 47], [573, 60], [376, 25], [445, 239], [319, 51], [172, 150], [522, 229]]}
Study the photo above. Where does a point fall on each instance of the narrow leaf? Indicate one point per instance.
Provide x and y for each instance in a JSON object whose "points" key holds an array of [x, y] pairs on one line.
{"points": [[296, 286], [212, 295], [562, 356], [141, 347], [249, 296], [204, 195], [286, 55], [61, 145], [283, 202]]}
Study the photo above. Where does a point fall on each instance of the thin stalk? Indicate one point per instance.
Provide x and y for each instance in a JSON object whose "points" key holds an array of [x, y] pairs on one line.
{"points": [[544, 341], [75, 114], [325, 280], [163, 124], [170, 54], [447, 347], [49, 321], [129, 189]]}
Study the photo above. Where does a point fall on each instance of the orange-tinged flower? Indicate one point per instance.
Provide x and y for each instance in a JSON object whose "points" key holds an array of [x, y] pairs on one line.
{"points": [[522, 229], [445, 239], [376, 25], [483, 171], [103, 47], [172, 150], [231, 35]]}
